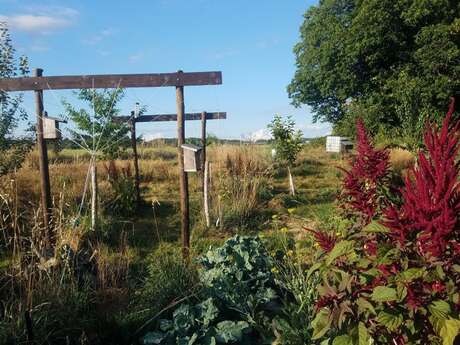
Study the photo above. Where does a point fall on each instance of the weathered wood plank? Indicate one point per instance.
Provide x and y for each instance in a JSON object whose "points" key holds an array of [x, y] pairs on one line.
{"points": [[111, 81], [172, 117]]}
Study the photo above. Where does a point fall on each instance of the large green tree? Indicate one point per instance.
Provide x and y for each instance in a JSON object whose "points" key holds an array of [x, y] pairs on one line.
{"points": [[12, 149], [393, 62]]}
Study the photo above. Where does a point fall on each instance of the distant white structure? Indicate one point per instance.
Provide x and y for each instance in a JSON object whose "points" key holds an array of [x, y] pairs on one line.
{"points": [[338, 144], [273, 153]]}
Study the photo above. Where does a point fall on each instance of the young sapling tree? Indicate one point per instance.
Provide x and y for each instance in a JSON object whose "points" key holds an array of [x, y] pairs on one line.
{"points": [[287, 142], [96, 130]]}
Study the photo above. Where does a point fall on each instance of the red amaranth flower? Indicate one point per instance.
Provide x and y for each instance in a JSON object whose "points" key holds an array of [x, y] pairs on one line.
{"points": [[431, 198], [370, 248], [368, 168], [325, 241], [413, 299]]}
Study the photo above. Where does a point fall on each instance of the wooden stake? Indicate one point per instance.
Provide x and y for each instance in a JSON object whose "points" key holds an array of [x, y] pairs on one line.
{"points": [[43, 163], [291, 182], [183, 178], [205, 194], [93, 194], [132, 125]]}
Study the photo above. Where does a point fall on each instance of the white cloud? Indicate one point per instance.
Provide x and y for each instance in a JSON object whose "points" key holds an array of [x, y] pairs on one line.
{"points": [[225, 53], [99, 36], [136, 57], [43, 21], [153, 136], [260, 134]]}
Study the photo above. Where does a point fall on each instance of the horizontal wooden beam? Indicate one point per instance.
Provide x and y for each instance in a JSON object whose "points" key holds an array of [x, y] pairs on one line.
{"points": [[110, 81], [172, 117]]}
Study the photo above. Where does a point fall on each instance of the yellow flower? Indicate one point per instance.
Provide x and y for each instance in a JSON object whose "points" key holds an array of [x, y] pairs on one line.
{"points": [[284, 229], [338, 233], [290, 252], [291, 210], [274, 270]]}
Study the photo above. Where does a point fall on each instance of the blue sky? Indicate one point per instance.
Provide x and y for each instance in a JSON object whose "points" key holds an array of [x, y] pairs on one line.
{"points": [[249, 41]]}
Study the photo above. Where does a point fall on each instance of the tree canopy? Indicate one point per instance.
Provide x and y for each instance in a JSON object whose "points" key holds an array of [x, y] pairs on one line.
{"points": [[95, 128], [395, 63]]}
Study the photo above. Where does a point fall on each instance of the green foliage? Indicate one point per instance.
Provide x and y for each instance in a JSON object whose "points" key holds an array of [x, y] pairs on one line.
{"points": [[237, 300], [395, 62], [287, 141], [168, 279], [12, 151], [95, 128], [239, 274]]}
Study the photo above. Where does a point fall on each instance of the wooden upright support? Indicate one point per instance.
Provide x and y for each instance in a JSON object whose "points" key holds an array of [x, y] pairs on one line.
{"points": [[183, 177], [43, 164]]}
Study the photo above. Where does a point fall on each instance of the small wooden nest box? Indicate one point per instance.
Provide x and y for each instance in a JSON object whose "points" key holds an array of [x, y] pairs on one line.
{"points": [[192, 157], [51, 128]]}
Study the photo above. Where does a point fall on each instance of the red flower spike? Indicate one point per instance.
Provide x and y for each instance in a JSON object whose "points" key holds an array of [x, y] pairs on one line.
{"points": [[431, 198], [368, 168], [324, 240]]}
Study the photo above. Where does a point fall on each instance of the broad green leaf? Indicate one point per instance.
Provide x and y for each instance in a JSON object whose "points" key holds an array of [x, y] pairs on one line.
{"points": [[449, 331], [342, 340], [340, 249], [384, 294], [376, 227], [313, 268], [363, 335], [439, 309], [153, 338], [321, 323], [364, 305], [391, 321], [231, 331], [412, 274]]}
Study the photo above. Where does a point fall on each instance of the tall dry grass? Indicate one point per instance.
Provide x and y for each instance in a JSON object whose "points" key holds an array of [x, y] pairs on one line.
{"points": [[240, 181]]}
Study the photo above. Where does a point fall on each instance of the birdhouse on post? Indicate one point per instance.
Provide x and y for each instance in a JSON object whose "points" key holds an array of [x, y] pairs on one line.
{"points": [[51, 128], [192, 158]]}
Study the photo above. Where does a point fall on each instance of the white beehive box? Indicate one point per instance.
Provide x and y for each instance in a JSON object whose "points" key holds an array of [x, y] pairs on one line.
{"points": [[192, 157], [338, 144]]}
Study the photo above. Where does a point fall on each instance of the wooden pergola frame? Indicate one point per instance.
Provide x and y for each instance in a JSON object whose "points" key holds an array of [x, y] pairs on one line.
{"points": [[38, 83]]}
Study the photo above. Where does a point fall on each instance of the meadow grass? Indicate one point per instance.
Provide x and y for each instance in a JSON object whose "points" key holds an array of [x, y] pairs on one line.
{"points": [[249, 194]]}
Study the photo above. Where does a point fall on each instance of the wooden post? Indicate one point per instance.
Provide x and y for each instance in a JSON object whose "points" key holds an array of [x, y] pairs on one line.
{"points": [[132, 125], [205, 194], [93, 193], [43, 163], [183, 178]]}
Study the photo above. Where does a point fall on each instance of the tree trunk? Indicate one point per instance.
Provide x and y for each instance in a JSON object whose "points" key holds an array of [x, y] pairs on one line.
{"points": [[291, 182], [93, 194]]}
